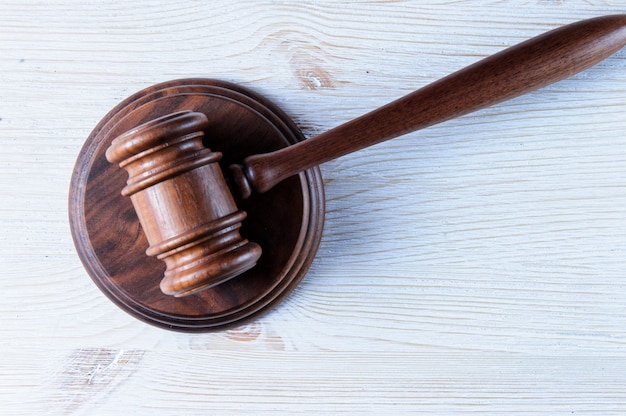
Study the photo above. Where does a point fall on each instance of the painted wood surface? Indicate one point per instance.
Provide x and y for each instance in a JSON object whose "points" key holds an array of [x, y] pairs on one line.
{"points": [[475, 267]]}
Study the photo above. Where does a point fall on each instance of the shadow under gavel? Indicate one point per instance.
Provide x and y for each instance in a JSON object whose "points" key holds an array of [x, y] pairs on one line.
{"points": [[187, 208]]}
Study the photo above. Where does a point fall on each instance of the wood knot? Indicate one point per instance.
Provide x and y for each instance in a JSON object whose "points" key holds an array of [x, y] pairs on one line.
{"points": [[308, 61], [314, 78]]}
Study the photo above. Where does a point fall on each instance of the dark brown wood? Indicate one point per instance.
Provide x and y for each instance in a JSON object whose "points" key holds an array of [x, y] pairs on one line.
{"points": [[515, 71], [183, 203], [286, 222]]}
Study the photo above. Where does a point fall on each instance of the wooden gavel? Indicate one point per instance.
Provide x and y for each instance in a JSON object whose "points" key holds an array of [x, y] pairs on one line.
{"points": [[184, 201]]}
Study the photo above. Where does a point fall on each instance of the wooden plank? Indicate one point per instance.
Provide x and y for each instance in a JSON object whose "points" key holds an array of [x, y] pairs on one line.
{"points": [[105, 381], [473, 267]]}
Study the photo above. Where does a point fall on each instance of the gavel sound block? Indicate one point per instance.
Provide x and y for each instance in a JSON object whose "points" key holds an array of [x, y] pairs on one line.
{"points": [[285, 222], [220, 198]]}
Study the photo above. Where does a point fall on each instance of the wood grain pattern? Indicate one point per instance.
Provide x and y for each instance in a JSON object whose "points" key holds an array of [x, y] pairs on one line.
{"points": [[110, 239], [496, 284], [514, 71]]}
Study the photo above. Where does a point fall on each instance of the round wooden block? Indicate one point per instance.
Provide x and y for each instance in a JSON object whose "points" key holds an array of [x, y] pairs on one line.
{"points": [[286, 222]]}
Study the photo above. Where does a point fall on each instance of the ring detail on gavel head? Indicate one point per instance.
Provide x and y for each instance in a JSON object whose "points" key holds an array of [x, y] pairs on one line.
{"points": [[183, 203]]}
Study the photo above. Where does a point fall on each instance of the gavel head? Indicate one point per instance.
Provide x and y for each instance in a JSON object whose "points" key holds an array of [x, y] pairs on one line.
{"points": [[183, 203]]}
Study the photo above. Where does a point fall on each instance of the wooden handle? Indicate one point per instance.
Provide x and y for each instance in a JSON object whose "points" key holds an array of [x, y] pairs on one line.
{"points": [[517, 70]]}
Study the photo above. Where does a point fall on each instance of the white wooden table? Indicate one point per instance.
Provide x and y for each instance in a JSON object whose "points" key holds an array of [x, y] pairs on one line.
{"points": [[476, 267]]}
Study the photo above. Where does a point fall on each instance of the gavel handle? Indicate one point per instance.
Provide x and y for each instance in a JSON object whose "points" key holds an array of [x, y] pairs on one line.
{"points": [[517, 70]]}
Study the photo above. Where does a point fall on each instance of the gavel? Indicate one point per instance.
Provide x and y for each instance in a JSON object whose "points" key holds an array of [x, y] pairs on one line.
{"points": [[187, 205]]}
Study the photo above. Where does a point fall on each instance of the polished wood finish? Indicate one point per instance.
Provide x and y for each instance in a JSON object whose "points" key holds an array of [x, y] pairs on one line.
{"points": [[183, 203], [286, 222], [517, 70]]}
